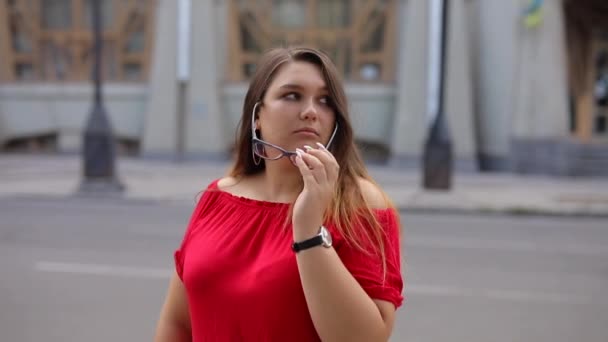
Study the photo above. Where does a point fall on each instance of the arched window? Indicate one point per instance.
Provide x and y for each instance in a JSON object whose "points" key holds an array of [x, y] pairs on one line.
{"points": [[51, 40], [359, 35]]}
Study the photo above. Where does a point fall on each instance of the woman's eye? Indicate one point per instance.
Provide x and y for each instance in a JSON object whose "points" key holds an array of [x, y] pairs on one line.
{"points": [[325, 100], [291, 96]]}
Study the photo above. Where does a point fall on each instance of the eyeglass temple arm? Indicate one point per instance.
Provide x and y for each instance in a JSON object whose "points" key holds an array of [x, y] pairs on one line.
{"points": [[332, 135], [253, 119]]}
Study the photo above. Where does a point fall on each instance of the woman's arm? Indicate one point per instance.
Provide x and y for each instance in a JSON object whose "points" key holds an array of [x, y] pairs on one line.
{"points": [[339, 307], [174, 322]]}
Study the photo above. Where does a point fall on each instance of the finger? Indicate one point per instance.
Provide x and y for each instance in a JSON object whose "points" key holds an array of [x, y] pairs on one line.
{"points": [[316, 166], [327, 161], [328, 153], [331, 156], [319, 148], [305, 171], [322, 147], [332, 168]]}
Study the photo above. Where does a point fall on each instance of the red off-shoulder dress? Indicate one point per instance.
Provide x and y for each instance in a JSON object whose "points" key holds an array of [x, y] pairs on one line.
{"points": [[241, 276]]}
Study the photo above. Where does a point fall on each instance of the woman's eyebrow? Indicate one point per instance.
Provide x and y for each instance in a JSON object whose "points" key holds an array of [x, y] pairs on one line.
{"points": [[293, 86]]}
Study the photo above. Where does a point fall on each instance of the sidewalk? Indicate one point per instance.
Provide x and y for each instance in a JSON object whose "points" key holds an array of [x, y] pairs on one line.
{"points": [[163, 180]]}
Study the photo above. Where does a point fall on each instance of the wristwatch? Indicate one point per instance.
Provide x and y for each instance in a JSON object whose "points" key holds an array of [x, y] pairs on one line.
{"points": [[321, 239]]}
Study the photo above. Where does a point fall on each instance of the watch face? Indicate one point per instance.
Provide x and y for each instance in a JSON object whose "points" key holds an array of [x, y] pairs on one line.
{"points": [[326, 236]]}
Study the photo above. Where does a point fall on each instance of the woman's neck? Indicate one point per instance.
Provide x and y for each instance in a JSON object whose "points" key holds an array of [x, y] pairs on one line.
{"points": [[281, 181]]}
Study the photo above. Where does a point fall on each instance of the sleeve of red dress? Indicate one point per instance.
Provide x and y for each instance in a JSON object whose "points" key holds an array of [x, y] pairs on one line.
{"points": [[367, 268]]}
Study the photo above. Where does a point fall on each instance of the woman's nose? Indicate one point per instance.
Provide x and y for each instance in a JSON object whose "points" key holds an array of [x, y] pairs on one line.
{"points": [[310, 111]]}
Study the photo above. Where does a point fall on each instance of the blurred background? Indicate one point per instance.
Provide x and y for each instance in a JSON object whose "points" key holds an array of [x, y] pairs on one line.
{"points": [[526, 80], [109, 131]]}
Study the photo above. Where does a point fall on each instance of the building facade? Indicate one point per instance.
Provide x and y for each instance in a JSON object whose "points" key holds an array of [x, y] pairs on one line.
{"points": [[526, 83]]}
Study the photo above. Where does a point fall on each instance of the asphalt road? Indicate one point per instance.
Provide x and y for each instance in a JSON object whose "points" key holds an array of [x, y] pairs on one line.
{"points": [[82, 269]]}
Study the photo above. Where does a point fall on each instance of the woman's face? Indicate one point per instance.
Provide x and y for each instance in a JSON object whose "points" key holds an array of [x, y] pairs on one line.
{"points": [[296, 109]]}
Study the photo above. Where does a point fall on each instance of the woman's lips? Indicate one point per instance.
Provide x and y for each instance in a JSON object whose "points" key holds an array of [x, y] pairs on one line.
{"points": [[307, 131]]}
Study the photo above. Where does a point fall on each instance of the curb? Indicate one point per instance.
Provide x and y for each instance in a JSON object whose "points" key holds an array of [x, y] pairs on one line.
{"points": [[515, 211], [512, 211]]}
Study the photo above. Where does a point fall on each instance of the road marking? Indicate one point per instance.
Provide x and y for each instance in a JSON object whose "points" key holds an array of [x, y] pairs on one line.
{"points": [[411, 291], [498, 294], [104, 270], [508, 246]]}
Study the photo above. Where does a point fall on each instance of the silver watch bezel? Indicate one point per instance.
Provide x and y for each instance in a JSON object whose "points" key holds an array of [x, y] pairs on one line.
{"points": [[326, 237]]}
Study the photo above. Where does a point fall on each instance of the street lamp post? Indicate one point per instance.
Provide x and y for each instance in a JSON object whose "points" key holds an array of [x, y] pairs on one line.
{"points": [[438, 145], [98, 141], [184, 36]]}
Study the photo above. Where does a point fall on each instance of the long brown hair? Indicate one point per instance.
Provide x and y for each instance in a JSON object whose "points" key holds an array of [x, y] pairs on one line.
{"points": [[348, 208]]}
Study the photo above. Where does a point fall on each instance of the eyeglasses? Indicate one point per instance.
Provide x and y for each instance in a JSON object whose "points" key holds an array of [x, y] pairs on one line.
{"points": [[266, 150]]}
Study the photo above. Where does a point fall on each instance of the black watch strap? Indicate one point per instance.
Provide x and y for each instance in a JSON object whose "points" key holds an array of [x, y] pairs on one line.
{"points": [[306, 244]]}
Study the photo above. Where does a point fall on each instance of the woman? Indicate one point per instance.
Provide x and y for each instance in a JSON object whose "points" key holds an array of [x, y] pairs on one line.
{"points": [[297, 243]]}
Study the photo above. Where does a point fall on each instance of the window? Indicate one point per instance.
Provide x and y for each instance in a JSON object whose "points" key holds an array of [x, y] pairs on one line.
{"points": [[51, 40], [359, 35], [600, 126]]}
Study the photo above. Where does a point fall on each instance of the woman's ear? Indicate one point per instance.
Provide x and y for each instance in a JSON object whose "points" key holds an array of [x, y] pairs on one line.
{"points": [[257, 117]]}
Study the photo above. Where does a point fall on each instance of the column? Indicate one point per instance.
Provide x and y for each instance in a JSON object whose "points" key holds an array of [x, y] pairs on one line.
{"points": [[411, 119], [540, 121], [160, 121], [205, 135]]}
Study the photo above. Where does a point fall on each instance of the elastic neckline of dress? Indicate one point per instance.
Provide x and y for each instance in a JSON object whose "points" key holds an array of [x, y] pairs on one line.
{"points": [[245, 200], [251, 201]]}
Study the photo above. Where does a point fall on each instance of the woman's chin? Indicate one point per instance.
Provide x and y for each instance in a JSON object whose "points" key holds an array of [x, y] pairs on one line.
{"points": [[312, 142]]}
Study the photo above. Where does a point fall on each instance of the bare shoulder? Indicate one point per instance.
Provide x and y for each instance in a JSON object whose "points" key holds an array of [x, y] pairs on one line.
{"points": [[239, 186], [372, 194], [227, 182]]}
